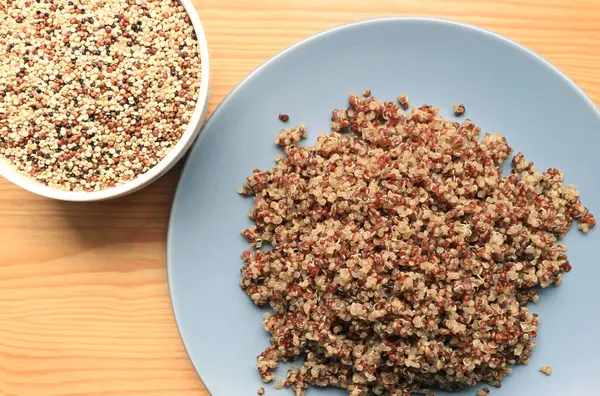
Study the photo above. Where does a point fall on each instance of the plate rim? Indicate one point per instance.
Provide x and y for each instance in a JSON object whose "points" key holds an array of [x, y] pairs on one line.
{"points": [[442, 21]]}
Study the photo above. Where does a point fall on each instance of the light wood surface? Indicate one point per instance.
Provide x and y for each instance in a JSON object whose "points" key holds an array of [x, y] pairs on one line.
{"points": [[84, 304]]}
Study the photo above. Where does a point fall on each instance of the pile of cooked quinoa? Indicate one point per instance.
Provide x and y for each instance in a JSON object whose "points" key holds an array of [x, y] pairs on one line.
{"points": [[402, 258]]}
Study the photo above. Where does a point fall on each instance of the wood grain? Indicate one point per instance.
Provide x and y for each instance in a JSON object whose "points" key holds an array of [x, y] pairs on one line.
{"points": [[84, 305]]}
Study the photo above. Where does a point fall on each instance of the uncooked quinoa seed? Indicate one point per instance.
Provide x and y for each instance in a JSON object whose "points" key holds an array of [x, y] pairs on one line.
{"points": [[94, 92], [402, 258]]}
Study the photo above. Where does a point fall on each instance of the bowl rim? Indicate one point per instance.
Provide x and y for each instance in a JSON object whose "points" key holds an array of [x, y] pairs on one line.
{"points": [[191, 132]]}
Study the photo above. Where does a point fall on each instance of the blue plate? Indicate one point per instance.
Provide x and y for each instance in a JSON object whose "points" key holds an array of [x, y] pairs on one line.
{"points": [[505, 88]]}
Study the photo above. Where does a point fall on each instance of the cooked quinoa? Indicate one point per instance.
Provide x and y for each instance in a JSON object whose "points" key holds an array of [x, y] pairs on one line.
{"points": [[483, 392], [289, 136], [94, 93], [459, 109], [402, 258], [404, 101]]}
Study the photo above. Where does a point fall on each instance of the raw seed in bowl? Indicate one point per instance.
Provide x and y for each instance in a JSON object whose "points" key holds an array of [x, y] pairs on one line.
{"points": [[94, 93], [402, 258]]}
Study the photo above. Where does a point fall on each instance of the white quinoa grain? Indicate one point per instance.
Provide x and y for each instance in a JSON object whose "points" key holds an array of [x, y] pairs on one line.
{"points": [[287, 137]]}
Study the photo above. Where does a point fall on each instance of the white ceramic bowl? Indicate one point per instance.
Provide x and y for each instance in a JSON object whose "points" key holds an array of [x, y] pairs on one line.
{"points": [[159, 169]]}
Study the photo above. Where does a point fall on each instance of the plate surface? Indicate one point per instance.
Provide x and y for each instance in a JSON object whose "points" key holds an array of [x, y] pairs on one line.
{"points": [[505, 88]]}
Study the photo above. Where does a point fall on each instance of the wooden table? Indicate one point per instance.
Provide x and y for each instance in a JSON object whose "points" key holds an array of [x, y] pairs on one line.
{"points": [[84, 305]]}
